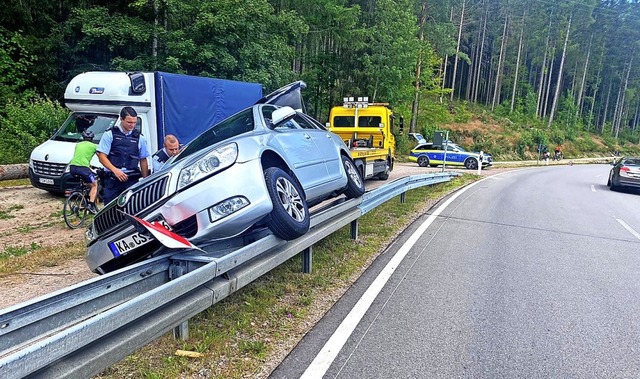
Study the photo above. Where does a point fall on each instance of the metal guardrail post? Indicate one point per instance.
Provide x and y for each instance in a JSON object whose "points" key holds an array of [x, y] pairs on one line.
{"points": [[354, 229], [307, 260], [181, 331], [403, 198]]}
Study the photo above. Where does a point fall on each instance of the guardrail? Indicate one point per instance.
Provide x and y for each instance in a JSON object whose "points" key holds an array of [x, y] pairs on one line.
{"points": [[82, 330]]}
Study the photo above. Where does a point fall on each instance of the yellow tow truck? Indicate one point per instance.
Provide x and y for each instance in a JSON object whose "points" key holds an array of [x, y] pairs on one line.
{"points": [[367, 129]]}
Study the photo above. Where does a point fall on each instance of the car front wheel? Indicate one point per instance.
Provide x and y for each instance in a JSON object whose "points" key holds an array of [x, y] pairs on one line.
{"points": [[423, 161], [355, 184], [471, 163], [290, 215]]}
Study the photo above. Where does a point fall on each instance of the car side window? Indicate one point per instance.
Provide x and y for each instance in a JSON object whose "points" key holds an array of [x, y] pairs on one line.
{"points": [[304, 123]]}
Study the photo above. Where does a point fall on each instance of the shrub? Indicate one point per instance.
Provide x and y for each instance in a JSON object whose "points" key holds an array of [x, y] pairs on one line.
{"points": [[26, 124]]}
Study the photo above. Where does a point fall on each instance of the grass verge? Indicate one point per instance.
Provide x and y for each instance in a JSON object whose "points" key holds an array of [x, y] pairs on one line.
{"points": [[248, 333]]}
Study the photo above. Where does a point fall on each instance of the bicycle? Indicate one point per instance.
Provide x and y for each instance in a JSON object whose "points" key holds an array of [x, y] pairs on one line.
{"points": [[76, 206]]}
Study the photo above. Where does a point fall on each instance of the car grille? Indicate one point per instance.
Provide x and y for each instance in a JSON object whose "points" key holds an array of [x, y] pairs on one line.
{"points": [[138, 201], [49, 168]]}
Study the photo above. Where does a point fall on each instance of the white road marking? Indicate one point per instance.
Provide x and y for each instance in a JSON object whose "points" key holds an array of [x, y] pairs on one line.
{"points": [[630, 229], [593, 188], [332, 347]]}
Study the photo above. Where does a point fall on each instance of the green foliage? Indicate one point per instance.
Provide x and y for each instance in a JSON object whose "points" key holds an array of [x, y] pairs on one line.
{"points": [[25, 125]]}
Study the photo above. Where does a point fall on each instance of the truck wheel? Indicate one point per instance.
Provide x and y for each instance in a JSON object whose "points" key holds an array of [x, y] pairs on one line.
{"points": [[355, 183], [423, 161], [384, 175], [471, 163], [290, 215]]}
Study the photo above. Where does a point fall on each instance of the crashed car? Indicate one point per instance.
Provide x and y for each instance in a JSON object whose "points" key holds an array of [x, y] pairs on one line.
{"points": [[428, 154], [262, 167]]}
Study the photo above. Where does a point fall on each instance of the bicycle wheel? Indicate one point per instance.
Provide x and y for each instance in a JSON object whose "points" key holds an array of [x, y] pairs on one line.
{"points": [[75, 210]]}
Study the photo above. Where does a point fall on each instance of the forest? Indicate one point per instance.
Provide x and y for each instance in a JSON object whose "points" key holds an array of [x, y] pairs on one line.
{"points": [[558, 70]]}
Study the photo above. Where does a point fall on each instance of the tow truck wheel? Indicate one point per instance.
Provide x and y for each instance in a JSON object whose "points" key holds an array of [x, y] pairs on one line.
{"points": [[355, 183], [290, 215], [471, 164], [423, 161]]}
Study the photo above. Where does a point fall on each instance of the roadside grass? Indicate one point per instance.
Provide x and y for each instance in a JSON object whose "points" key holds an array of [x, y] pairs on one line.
{"points": [[14, 183], [33, 257], [254, 328], [5, 214]]}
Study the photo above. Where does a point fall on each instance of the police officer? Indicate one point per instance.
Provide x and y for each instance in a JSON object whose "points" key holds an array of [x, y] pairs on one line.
{"points": [[171, 148], [121, 149]]}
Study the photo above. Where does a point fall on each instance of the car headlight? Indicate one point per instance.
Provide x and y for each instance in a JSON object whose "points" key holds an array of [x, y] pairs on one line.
{"points": [[211, 163]]}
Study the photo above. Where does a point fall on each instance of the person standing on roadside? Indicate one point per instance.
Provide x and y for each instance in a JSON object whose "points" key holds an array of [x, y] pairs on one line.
{"points": [[80, 165], [123, 152], [171, 148]]}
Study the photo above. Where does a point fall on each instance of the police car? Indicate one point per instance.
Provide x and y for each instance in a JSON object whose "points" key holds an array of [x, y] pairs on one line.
{"points": [[428, 154]]}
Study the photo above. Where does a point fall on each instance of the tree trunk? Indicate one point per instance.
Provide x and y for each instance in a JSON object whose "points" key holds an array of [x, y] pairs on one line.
{"points": [[515, 76], [548, 89], [606, 107], [480, 57], [543, 72], [564, 54], [416, 95], [496, 90], [584, 77], [624, 93], [455, 59]]}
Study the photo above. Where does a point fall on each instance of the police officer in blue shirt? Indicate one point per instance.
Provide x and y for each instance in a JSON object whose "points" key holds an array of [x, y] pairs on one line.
{"points": [[123, 152], [171, 148]]}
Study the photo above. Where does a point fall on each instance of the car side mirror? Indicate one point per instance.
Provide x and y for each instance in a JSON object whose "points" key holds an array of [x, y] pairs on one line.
{"points": [[282, 115]]}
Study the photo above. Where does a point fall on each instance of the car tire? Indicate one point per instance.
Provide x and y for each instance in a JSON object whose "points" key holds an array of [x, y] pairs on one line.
{"points": [[355, 183], [290, 215], [423, 161], [471, 163]]}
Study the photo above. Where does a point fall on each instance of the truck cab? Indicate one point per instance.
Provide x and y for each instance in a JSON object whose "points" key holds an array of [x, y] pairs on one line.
{"points": [[367, 129], [95, 99]]}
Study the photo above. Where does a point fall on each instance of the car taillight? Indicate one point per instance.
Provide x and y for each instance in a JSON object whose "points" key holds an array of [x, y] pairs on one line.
{"points": [[625, 169]]}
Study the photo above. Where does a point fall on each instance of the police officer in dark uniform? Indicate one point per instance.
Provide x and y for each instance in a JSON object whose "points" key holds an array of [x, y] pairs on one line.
{"points": [[123, 152]]}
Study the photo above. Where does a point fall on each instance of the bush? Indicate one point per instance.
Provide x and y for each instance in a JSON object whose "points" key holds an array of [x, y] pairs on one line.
{"points": [[25, 125]]}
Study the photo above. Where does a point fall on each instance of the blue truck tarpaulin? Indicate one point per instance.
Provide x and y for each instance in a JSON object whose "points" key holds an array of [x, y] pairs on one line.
{"points": [[210, 101]]}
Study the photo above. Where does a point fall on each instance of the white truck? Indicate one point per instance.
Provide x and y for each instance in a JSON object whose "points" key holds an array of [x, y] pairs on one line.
{"points": [[166, 103]]}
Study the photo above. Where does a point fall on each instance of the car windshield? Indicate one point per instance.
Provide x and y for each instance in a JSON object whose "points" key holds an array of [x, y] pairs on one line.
{"points": [[71, 130], [239, 123]]}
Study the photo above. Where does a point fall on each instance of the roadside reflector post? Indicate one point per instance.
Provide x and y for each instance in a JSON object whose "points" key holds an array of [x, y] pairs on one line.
{"points": [[480, 162], [307, 260], [354, 229]]}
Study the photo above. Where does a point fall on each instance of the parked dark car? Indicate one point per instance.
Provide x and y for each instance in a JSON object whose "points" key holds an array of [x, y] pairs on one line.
{"points": [[625, 173]]}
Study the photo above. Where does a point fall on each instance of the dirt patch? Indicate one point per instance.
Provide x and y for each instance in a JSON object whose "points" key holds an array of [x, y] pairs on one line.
{"points": [[30, 221]]}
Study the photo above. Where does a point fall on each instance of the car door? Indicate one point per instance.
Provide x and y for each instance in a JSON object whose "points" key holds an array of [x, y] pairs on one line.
{"points": [[298, 148], [325, 143]]}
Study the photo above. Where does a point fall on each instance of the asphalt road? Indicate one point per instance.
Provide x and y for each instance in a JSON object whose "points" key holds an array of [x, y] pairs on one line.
{"points": [[531, 273]]}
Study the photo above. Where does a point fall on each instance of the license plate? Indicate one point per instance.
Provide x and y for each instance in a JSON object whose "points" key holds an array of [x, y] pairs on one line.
{"points": [[45, 181], [131, 242]]}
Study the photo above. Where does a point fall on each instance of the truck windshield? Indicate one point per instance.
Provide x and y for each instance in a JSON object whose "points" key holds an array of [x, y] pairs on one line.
{"points": [[71, 130], [241, 122]]}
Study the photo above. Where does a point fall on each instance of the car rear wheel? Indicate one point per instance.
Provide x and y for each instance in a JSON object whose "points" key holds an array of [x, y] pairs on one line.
{"points": [[290, 215], [471, 163], [355, 184], [423, 161]]}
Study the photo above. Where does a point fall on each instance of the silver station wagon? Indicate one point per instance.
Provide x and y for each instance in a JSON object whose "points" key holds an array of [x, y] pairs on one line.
{"points": [[262, 167]]}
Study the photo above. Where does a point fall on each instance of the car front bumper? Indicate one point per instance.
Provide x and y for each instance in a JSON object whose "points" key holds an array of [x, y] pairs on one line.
{"points": [[191, 205]]}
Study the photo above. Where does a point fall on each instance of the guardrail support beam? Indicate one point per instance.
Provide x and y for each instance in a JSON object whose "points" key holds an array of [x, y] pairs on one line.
{"points": [[403, 197], [354, 229], [178, 269], [307, 260]]}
